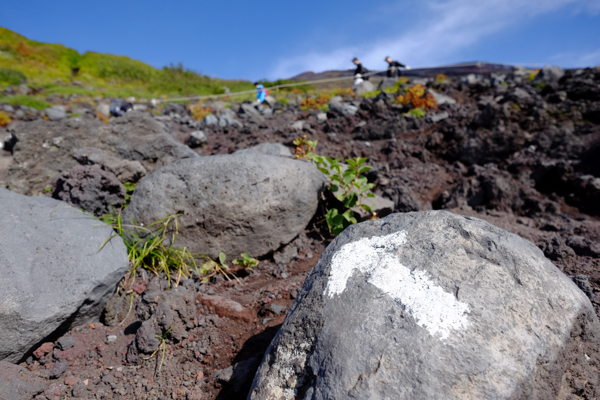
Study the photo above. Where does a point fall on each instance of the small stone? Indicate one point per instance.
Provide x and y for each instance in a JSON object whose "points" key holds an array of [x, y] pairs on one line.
{"points": [[71, 380], [277, 309], [66, 342], [111, 338], [43, 350], [266, 321], [58, 370]]}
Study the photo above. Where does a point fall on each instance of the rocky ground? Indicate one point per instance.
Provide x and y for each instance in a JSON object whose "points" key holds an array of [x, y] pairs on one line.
{"points": [[521, 155]]}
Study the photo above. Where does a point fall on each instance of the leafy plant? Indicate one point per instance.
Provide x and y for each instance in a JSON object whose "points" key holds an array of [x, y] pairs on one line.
{"points": [[441, 78], [246, 261], [417, 112], [129, 188], [304, 148], [418, 97], [199, 112], [349, 186], [315, 103]]}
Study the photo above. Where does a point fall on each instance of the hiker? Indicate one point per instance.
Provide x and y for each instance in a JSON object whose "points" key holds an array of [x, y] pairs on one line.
{"points": [[393, 70], [359, 72], [261, 93], [119, 107]]}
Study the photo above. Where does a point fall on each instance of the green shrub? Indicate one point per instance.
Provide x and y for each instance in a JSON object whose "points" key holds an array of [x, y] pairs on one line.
{"points": [[346, 183], [10, 76], [25, 100]]}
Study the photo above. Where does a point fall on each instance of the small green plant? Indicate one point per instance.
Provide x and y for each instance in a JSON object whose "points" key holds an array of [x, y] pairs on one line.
{"points": [[162, 346], [246, 262], [152, 247], [211, 268], [304, 148], [346, 182], [417, 112], [129, 188], [349, 186]]}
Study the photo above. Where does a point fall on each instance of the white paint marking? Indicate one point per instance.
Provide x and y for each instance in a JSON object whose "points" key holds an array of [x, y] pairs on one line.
{"points": [[432, 308]]}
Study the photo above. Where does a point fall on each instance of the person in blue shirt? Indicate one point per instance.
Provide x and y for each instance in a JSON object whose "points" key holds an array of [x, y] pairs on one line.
{"points": [[261, 93]]}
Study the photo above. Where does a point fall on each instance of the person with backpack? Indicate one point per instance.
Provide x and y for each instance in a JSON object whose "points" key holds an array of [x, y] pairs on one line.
{"points": [[393, 70], [359, 72], [261, 92]]}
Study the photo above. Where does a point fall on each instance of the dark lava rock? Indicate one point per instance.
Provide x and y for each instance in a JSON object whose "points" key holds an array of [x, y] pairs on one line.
{"points": [[89, 187], [44, 149]]}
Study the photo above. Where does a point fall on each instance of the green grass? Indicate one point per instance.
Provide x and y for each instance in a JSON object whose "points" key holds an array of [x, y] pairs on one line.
{"points": [[107, 75], [10, 76], [25, 100]]}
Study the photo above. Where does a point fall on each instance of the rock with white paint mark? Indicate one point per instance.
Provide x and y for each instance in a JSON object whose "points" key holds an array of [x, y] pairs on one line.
{"points": [[432, 305]]}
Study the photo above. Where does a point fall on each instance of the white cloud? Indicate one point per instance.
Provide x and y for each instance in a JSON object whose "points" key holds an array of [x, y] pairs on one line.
{"points": [[450, 26]]}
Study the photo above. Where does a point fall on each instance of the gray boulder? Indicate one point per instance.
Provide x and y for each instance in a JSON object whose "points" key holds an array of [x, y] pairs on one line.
{"points": [[364, 87], [53, 272], [432, 305], [210, 120], [46, 148], [269, 149], [124, 170], [227, 119], [549, 74], [336, 104], [252, 203], [56, 113], [90, 188], [387, 83]]}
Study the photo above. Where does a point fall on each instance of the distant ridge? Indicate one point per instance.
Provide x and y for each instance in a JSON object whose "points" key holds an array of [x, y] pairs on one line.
{"points": [[477, 67]]}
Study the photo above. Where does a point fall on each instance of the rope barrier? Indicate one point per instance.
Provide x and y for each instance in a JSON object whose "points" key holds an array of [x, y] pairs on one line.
{"points": [[340, 78], [284, 85]]}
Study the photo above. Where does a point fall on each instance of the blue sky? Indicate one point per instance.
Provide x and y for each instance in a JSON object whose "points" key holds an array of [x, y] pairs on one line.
{"points": [[278, 39]]}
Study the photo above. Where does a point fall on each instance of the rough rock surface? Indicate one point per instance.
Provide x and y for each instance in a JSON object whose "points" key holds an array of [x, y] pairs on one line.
{"points": [[433, 305], [16, 383], [53, 273], [269, 149], [134, 137], [90, 188], [243, 203]]}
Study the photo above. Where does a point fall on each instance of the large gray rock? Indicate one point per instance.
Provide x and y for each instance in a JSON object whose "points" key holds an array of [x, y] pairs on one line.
{"points": [[269, 149], [236, 203], [56, 113], [432, 305], [364, 87], [550, 74], [53, 274], [336, 104], [45, 148]]}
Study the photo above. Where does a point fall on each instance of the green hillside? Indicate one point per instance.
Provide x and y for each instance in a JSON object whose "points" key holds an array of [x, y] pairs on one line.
{"points": [[56, 69]]}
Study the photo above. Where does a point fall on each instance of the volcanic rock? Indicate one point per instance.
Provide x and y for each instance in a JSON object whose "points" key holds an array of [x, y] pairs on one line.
{"points": [[433, 305], [241, 203], [45, 148], [55, 270]]}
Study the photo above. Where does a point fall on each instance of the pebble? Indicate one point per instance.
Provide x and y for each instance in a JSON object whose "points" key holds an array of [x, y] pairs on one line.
{"points": [[112, 338]]}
